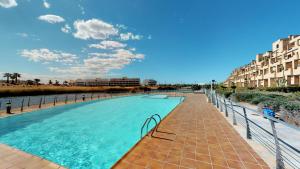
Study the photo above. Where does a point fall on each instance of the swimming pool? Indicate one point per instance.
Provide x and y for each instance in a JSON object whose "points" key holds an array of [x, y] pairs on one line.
{"points": [[93, 134]]}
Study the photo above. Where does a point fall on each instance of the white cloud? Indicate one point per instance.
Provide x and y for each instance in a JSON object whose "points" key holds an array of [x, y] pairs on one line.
{"points": [[66, 28], [23, 35], [8, 3], [46, 56], [93, 29], [81, 9], [129, 35], [51, 18], [46, 4], [108, 45], [100, 63], [121, 26]]}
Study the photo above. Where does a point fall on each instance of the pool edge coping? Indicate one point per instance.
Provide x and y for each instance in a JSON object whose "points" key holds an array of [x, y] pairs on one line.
{"points": [[136, 144]]}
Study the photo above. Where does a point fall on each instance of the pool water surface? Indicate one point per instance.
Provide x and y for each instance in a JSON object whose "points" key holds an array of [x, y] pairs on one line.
{"points": [[93, 134]]}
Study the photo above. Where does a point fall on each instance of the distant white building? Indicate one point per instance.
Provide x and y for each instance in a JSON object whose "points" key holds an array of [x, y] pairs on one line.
{"points": [[150, 82], [91, 82], [124, 82]]}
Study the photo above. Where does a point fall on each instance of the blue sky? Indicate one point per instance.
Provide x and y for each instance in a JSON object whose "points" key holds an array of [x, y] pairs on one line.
{"points": [[170, 41]]}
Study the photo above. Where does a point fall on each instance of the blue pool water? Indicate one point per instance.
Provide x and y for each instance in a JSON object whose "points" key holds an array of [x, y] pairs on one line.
{"points": [[84, 135]]}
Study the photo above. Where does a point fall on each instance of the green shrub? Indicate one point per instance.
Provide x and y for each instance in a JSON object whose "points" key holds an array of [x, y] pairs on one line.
{"points": [[291, 106], [246, 97], [283, 89], [259, 99]]}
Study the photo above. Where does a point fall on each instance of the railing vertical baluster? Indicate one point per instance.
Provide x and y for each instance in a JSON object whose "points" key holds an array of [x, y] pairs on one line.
{"points": [[28, 104], [213, 98], [221, 107], [75, 98], [247, 124], [44, 102], [217, 101], [233, 114], [54, 100], [22, 105], [226, 111], [279, 160], [66, 100], [40, 105]]}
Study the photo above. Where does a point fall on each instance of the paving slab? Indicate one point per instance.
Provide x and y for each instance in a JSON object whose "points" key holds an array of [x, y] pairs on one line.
{"points": [[203, 140]]}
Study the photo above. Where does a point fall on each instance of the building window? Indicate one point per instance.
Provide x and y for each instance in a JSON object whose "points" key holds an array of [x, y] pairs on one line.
{"points": [[277, 46]]}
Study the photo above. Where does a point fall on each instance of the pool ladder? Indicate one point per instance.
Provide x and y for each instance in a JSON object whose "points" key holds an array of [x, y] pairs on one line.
{"points": [[155, 129]]}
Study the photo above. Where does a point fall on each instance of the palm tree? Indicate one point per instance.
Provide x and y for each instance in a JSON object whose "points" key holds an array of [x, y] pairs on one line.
{"points": [[7, 75], [12, 77], [15, 76], [37, 81], [56, 82]]}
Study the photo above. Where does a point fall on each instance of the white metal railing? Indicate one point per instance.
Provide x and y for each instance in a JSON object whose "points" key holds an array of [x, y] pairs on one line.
{"points": [[285, 154]]}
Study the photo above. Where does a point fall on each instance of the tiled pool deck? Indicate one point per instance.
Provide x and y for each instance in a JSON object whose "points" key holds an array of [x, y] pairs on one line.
{"points": [[11, 158], [204, 139]]}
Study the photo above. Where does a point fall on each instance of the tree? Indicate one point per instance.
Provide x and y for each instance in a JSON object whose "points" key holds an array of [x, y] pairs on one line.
{"points": [[37, 81], [7, 75], [56, 82], [15, 76], [65, 83], [50, 82], [29, 82]]}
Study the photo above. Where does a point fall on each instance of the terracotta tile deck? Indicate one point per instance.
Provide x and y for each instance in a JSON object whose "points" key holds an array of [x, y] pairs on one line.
{"points": [[203, 140], [11, 158]]}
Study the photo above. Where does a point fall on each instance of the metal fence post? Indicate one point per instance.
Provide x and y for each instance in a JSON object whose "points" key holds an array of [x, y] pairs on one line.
{"points": [[22, 105], [44, 100], [247, 124], [217, 101], [233, 114], [54, 101], [28, 104], [40, 105], [92, 96], [66, 100], [226, 111], [221, 107], [279, 160], [75, 98]]}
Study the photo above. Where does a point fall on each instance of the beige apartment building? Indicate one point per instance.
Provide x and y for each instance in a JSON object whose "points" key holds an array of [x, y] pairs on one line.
{"points": [[276, 68]]}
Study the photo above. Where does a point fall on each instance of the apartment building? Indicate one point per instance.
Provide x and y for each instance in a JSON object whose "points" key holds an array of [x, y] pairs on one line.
{"points": [[278, 67], [125, 82], [91, 82], [150, 82]]}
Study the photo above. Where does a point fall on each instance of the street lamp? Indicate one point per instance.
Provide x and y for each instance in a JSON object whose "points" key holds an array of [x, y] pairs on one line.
{"points": [[212, 84]]}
